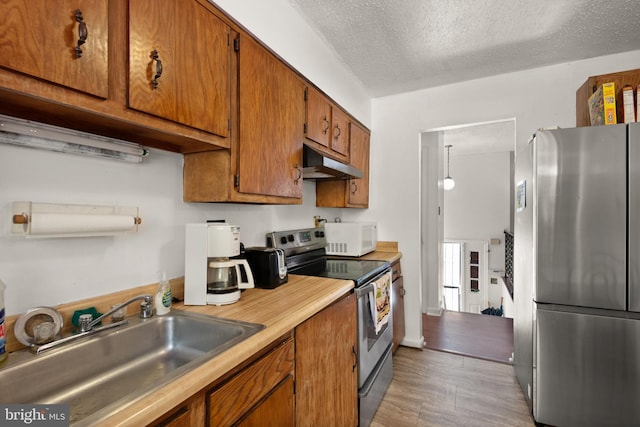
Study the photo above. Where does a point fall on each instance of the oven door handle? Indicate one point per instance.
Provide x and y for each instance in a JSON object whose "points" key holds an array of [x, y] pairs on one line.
{"points": [[362, 290], [366, 387], [370, 289]]}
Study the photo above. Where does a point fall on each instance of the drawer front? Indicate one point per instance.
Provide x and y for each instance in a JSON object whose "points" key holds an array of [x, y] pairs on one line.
{"points": [[228, 403]]}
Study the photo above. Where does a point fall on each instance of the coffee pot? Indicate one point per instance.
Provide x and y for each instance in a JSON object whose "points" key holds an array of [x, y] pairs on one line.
{"points": [[212, 276], [224, 277]]}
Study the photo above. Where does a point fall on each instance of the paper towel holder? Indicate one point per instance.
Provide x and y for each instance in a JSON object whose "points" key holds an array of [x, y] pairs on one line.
{"points": [[32, 219]]}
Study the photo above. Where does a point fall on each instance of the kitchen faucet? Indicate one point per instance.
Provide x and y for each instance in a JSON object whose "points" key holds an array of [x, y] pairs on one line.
{"points": [[86, 321]]}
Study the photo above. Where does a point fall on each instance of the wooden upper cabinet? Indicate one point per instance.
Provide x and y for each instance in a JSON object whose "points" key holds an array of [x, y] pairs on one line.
{"points": [[359, 188], [271, 124], [179, 64], [340, 132], [352, 193], [327, 126], [40, 38], [318, 117]]}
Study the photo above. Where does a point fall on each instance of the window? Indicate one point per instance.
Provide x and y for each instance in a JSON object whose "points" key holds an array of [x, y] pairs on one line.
{"points": [[452, 274]]}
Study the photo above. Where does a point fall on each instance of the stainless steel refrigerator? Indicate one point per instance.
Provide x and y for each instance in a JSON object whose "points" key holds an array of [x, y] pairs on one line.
{"points": [[581, 206]]}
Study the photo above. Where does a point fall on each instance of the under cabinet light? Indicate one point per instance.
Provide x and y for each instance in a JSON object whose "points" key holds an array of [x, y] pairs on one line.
{"points": [[26, 133]]}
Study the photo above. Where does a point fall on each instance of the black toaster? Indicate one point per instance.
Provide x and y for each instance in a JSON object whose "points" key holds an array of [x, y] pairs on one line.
{"points": [[268, 266]]}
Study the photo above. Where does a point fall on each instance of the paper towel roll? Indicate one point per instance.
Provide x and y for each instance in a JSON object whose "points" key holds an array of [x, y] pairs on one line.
{"points": [[51, 223]]}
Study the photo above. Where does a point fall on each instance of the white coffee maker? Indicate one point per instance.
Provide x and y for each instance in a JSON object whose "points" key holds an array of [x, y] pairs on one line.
{"points": [[211, 276]]}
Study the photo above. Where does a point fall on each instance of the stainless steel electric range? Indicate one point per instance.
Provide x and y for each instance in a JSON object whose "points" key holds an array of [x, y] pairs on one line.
{"points": [[306, 255]]}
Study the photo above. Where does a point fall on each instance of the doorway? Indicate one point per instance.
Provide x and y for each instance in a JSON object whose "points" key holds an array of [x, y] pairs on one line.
{"points": [[463, 239], [478, 208]]}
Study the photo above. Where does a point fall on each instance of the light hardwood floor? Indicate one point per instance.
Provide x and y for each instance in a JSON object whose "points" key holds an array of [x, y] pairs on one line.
{"points": [[434, 388]]}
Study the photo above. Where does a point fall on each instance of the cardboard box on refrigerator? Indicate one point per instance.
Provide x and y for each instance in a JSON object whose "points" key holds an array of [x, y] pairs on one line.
{"points": [[609, 97], [602, 105]]}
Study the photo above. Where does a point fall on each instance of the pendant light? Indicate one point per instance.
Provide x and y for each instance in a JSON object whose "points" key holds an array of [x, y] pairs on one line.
{"points": [[449, 183]]}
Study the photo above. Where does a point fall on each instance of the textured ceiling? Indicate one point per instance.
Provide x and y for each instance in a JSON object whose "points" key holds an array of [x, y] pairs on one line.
{"points": [[395, 46]]}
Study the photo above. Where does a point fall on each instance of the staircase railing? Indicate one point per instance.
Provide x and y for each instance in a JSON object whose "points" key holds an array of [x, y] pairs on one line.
{"points": [[508, 261]]}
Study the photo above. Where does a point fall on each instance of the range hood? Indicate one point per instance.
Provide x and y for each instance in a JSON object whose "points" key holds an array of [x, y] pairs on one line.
{"points": [[317, 166]]}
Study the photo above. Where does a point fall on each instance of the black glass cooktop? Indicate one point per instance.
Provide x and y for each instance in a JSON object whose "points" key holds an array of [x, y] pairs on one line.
{"points": [[360, 271]]}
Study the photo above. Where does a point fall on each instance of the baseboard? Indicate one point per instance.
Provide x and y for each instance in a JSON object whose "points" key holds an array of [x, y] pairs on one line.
{"points": [[434, 311], [408, 342]]}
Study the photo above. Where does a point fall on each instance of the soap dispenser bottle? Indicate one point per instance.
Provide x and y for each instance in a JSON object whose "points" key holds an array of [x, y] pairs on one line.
{"points": [[163, 296]]}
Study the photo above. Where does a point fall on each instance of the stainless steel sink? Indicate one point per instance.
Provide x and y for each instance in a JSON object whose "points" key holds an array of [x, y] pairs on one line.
{"points": [[98, 374]]}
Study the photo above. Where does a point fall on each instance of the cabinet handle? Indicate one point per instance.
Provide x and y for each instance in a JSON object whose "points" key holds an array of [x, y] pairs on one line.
{"points": [[404, 292], [337, 135], [354, 187], [325, 124], [82, 32], [156, 57], [299, 174], [355, 358]]}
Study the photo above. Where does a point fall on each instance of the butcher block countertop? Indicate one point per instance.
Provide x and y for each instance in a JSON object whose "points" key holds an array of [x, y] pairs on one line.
{"points": [[385, 251], [280, 310]]}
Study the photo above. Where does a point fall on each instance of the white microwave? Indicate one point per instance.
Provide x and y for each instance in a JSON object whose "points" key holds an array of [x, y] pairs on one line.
{"points": [[351, 238]]}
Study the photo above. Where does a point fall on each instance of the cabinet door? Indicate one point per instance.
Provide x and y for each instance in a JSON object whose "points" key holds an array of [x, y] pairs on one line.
{"points": [[339, 131], [275, 410], [326, 367], [359, 188], [191, 413], [179, 63], [39, 38], [258, 384], [271, 120], [318, 117]]}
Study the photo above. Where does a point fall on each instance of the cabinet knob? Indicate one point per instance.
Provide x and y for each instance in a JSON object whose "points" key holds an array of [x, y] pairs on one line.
{"points": [[82, 32], [354, 187]]}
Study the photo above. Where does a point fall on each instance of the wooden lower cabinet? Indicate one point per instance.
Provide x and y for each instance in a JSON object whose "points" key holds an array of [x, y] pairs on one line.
{"points": [[275, 410], [309, 380], [191, 413], [397, 304], [261, 392], [326, 367]]}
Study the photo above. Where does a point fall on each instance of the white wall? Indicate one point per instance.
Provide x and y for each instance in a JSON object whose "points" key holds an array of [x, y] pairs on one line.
{"points": [[55, 271], [535, 98]]}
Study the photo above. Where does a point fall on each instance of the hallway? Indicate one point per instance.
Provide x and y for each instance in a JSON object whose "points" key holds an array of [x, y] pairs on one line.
{"points": [[475, 335]]}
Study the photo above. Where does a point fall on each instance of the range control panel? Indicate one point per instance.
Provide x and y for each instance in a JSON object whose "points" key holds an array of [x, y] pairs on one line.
{"points": [[297, 241]]}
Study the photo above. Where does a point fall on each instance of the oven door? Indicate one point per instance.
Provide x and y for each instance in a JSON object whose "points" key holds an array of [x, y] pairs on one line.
{"points": [[371, 345]]}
